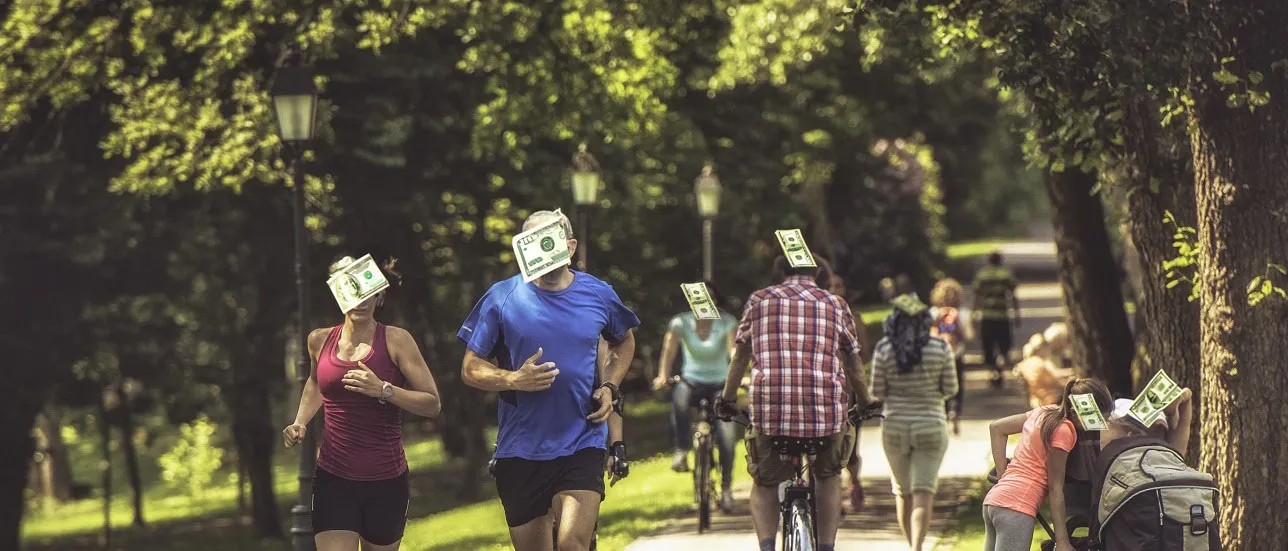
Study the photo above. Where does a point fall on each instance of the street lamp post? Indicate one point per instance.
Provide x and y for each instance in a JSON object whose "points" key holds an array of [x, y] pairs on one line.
{"points": [[295, 104], [706, 189], [585, 193]]}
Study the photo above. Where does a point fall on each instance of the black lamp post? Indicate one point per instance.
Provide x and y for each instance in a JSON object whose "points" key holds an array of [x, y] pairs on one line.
{"points": [[585, 193], [295, 100], [706, 189]]}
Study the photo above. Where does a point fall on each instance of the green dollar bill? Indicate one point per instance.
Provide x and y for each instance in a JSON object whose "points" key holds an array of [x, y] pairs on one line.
{"points": [[1149, 406], [542, 249], [795, 249], [357, 282], [700, 301], [1084, 405]]}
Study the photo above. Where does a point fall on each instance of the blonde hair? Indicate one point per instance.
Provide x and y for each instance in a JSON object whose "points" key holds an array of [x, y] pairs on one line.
{"points": [[1036, 347], [1057, 332], [947, 293]]}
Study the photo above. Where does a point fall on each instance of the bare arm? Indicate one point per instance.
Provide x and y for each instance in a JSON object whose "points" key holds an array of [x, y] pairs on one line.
{"points": [[999, 432], [737, 370], [854, 376], [670, 347], [311, 397], [421, 397], [1056, 460], [880, 363], [948, 376], [482, 374], [1178, 422], [623, 353]]}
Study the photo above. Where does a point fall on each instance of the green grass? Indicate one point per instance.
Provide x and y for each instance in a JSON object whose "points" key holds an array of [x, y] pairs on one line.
{"points": [[967, 249], [439, 520], [969, 532], [634, 508]]}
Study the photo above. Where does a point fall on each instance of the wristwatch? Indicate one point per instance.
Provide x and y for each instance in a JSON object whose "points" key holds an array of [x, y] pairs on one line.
{"points": [[386, 392], [617, 395]]}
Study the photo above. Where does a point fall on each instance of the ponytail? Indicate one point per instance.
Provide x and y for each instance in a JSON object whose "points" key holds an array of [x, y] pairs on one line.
{"points": [[1052, 418]]}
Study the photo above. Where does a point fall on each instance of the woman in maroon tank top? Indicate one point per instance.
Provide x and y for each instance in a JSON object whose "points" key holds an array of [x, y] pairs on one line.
{"points": [[364, 375]]}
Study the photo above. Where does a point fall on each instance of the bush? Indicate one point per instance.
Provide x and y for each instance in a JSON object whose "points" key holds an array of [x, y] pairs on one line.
{"points": [[191, 464]]}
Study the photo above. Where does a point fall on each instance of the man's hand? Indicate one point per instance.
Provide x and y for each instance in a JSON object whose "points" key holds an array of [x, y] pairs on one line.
{"points": [[1183, 399], [532, 376], [294, 434], [363, 381], [604, 397], [727, 408]]}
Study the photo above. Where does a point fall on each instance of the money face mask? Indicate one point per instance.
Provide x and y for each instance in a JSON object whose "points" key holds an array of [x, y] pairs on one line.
{"points": [[357, 283]]}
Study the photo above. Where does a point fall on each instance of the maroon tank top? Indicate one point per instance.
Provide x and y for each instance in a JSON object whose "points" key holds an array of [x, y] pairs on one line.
{"points": [[363, 438]]}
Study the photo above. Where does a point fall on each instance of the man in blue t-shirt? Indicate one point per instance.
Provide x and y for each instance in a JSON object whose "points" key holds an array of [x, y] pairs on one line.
{"points": [[536, 344]]}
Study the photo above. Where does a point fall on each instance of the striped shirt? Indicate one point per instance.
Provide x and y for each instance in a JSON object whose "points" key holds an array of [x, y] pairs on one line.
{"points": [[918, 397], [797, 333], [993, 286]]}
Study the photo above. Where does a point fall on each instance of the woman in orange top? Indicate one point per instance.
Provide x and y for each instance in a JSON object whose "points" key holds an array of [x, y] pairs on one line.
{"points": [[1047, 435]]}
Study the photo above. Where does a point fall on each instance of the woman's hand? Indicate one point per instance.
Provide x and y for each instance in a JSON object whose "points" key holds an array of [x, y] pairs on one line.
{"points": [[660, 382], [363, 381], [294, 434]]}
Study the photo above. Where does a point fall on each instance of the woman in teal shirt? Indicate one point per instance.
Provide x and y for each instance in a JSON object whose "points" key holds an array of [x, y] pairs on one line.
{"points": [[706, 345]]}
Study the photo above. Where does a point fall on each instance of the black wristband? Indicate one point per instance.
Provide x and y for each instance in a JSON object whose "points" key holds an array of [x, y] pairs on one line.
{"points": [[617, 395]]}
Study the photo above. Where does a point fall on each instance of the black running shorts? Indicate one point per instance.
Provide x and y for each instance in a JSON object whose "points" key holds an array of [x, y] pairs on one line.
{"points": [[527, 488], [375, 509]]}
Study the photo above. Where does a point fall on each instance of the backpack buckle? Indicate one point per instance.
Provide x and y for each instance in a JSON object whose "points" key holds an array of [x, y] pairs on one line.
{"points": [[1198, 523]]}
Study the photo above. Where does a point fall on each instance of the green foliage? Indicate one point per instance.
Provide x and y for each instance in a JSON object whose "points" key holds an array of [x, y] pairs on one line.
{"points": [[1263, 286], [1183, 268], [192, 462]]}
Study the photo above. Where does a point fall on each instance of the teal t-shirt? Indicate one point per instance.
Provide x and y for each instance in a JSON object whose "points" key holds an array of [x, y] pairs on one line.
{"points": [[705, 361]]}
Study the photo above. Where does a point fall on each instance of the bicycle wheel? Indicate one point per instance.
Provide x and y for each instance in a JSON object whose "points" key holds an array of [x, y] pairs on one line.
{"points": [[798, 535], [702, 478]]}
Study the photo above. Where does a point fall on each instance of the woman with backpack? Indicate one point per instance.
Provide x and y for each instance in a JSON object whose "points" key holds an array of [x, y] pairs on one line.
{"points": [[1047, 435], [955, 329]]}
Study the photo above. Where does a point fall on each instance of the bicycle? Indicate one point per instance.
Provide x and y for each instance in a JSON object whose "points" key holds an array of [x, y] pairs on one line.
{"points": [[704, 484], [796, 500]]}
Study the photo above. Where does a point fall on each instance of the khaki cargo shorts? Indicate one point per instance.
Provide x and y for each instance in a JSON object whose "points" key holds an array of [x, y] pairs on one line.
{"points": [[767, 469]]}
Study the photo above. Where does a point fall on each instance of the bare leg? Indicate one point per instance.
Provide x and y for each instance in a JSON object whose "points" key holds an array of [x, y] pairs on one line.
{"points": [[829, 508], [336, 540], [903, 507], [764, 511], [534, 536], [368, 546], [577, 511], [923, 504]]}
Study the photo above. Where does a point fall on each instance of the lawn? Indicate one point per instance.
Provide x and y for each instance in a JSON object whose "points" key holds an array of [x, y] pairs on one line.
{"points": [[967, 249], [651, 495]]}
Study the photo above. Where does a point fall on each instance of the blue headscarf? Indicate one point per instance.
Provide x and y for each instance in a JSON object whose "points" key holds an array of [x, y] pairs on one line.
{"points": [[908, 329]]}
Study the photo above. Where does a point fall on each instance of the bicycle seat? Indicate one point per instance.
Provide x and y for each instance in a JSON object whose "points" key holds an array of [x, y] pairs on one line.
{"points": [[796, 447]]}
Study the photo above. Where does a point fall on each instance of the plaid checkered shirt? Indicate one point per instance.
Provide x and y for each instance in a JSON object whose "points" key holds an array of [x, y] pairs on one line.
{"points": [[797, 333]]}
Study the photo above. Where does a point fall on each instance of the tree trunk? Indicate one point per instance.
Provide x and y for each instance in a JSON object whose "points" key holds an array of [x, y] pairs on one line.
{"points": [[1241, 183], [56, 468], [105, 438], [1100, 337], [1160, 180], [17, 416], [125, 421], [254, 435]]}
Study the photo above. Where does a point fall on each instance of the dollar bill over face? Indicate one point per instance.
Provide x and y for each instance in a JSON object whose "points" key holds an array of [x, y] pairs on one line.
{"points": [[1084, 405], [794, 247], [1158, 394], [700, 301], [357, 282], [542, 249]]}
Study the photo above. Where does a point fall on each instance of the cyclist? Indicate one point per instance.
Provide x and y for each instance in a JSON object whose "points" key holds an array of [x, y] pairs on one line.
{"points": [[706, 345], [542, 338], [914, 374], [803, 345], [994, 289], [364, 375]]}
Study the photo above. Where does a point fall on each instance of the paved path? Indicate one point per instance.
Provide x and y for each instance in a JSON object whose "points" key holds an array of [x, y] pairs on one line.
{"points": [[875, 528]]}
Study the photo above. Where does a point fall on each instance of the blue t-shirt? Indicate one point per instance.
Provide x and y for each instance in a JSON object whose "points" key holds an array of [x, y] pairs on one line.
{"points": [[514, 319]]}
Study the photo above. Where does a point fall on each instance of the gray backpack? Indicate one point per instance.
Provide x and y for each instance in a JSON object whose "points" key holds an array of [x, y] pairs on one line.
{"points": [[1148, 499]]}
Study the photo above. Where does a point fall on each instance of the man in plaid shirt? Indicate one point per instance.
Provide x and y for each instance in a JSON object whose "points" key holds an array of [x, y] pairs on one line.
{"points": [[802, 341]]}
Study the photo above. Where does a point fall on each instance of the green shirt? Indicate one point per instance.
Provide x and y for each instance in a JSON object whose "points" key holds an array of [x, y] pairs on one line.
{"points": [[993, 285], [705, 360]]}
